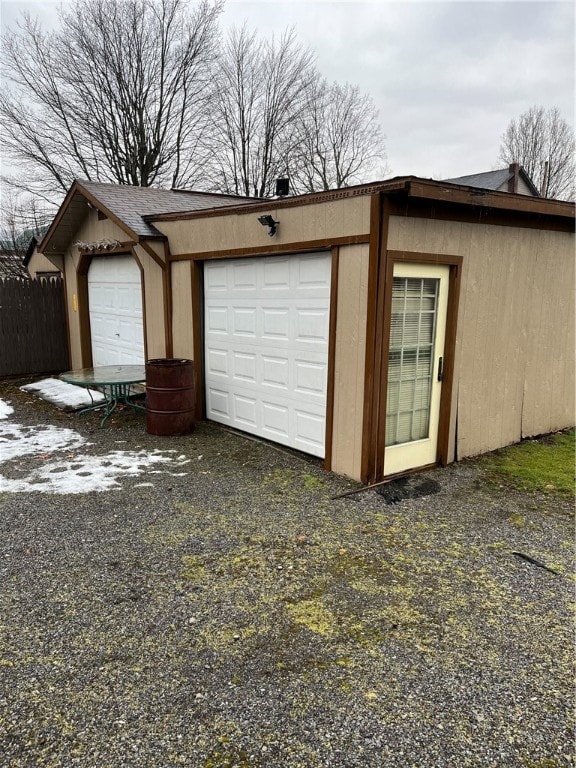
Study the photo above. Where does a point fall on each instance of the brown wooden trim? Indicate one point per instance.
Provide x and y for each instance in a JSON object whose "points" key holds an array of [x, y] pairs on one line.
{"points": [[453, 193], [455, 264], [143, 290], [335, 263], [313, 198], [446, 211], [413, 185], [270, 250], [425, 258], [168, 303], [67, 314], [387, 272], [449, 360], [56, 221], [406, 472], [153, 255], [82, 268], [197, 279], [83, 309], [371, 337]]}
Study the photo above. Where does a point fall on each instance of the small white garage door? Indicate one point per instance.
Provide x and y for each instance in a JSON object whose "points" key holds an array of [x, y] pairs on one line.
{"points": [[266, 346], [115, 301]]}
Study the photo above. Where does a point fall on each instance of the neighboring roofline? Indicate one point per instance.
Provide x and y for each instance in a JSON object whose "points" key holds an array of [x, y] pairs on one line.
{"points": [[30, 250], [510, 171], [529, 182], [412, 186]]}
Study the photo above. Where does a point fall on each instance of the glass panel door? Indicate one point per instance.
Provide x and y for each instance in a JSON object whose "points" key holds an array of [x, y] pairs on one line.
{"points": [[417, 330], [411, 359]]}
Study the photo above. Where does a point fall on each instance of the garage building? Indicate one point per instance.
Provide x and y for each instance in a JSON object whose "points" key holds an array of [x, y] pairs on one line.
{"points": [[383, 328]]}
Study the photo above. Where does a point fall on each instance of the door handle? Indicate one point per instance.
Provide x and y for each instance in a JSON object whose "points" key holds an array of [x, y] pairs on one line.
{"points": [[440, 368]]}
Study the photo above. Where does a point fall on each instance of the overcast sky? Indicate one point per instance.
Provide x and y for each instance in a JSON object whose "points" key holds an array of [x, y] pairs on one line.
{"points": [[447, 77]]}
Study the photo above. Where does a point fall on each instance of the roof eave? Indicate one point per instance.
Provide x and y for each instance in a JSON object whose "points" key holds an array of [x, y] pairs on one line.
{"points": [[473, 196], [78, 187]]}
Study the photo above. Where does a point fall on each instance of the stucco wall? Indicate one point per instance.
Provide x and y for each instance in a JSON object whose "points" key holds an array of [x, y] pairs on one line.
{"points": [[304, 223], [350, 353], [514, 367]]}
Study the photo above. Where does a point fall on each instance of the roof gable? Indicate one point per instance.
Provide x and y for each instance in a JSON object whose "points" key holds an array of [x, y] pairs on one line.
{"points": [[496, 180], [126, 206]]}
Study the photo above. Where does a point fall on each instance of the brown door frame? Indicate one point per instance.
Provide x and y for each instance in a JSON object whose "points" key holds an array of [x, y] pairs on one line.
{"points": [[197, 288], [82, 269], [392, 257]]}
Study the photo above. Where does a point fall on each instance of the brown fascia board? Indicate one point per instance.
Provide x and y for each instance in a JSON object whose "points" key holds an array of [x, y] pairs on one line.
{"points": [[310, 198], [411, 186], [482, 198], [42, 245]]}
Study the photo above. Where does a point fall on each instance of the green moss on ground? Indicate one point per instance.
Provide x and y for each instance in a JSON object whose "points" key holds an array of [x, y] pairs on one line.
{"points": [[545, 465]]}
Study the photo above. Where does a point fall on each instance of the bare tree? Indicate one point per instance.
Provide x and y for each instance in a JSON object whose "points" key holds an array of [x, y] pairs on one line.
{"points": [[340, 141], [543, 143], [118, 93], [22, 217], [262, 90]]}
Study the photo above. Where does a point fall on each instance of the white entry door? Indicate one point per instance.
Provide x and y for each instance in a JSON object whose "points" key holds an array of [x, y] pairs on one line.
{"points": [[115, 305], [266, 346], [417, 334]]}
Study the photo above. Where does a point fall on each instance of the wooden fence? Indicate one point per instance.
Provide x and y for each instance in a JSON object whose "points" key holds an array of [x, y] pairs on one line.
{"points": [[33, 335]]}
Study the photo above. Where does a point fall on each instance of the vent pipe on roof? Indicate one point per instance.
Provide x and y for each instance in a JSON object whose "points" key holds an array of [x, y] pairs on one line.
{"points": [[282, 187]]}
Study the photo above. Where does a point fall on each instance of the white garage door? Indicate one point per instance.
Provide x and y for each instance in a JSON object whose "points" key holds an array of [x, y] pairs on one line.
{"points": [[115, 301], [266, 346]]}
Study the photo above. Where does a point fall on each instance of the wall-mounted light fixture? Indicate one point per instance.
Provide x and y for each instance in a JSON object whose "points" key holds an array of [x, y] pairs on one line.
{"points": [[268, 221]]}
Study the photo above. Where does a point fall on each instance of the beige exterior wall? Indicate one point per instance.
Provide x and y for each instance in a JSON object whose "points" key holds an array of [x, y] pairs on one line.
{"points": [[39, 263], [514, 367], [350, 353], [339, 218], [182, 321], [154, 298]]}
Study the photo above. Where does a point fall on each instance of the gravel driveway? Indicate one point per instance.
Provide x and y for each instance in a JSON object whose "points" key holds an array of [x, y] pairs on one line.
{"points": [[220, 609]]}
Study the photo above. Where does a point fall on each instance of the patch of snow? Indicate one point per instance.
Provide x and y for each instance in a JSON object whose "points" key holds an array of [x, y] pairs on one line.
{"points": [[5, 409], [72, 473], [83, 474], [19, 440], [62, 394]]}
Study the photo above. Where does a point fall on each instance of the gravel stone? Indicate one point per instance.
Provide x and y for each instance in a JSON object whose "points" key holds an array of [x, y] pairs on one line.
{"points": [[232, 613]]}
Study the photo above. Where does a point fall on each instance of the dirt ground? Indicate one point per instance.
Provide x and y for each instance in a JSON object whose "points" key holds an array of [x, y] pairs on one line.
{"points": [[223, 609]]}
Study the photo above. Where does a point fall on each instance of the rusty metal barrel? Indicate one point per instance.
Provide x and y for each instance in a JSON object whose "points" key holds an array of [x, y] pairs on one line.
{"points": [[169, 396]]}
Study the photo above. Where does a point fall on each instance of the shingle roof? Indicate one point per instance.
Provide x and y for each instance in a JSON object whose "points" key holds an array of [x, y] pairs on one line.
{"points": [[130, 204], [493, 180], [488, 180]]}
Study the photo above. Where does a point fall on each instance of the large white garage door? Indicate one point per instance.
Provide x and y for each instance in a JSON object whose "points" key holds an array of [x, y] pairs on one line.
{"points": [[115, 301], [266, 346]]}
